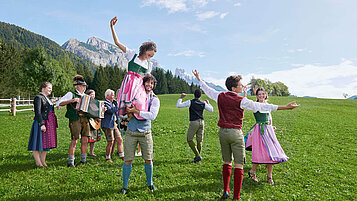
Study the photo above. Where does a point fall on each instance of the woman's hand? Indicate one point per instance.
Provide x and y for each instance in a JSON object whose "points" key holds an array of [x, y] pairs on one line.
{"points": [[43, 128], [113, 21]]}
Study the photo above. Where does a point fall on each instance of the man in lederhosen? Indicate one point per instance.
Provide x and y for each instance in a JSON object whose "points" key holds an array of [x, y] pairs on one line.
{"points": [[139, 132], [196, 126], [78, 122]]}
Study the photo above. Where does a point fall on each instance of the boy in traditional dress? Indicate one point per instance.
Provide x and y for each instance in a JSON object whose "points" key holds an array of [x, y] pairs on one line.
{"points": [[196, 126], [231, 108]]}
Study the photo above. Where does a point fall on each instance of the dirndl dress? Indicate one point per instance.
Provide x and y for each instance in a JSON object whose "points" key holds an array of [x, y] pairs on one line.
{"points": [[262, 141], [44, 141], [132, 90]]}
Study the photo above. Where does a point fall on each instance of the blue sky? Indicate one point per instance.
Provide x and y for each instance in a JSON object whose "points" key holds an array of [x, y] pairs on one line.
{"points": [[309, 45]]}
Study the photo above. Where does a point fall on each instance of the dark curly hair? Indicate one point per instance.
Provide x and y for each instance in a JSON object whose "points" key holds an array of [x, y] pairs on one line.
{"points": [[147, 46], [232, 81]]}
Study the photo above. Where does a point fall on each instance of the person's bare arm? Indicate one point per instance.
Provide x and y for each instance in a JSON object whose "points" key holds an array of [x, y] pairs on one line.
{"points": [[116, 40]]}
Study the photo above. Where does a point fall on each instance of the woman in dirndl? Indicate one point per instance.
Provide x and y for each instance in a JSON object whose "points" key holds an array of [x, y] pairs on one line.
{"points": [[43, 135], [132, 91], [262, 141], [95, 132]]}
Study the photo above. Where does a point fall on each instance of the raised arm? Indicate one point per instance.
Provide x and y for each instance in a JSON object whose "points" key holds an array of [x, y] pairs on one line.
{"points": [[184, 104], [116, 40], [211, 93], [208, 106]]}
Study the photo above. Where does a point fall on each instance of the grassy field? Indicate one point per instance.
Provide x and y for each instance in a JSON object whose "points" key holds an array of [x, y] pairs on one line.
{"points": [[319, 137]]}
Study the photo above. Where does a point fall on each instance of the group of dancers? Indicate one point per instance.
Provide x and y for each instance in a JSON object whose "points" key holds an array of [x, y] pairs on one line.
{"points": [[137, 105]]}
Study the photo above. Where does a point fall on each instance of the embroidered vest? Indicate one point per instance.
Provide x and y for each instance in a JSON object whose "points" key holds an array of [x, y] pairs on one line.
{"points": [[71, 113]]}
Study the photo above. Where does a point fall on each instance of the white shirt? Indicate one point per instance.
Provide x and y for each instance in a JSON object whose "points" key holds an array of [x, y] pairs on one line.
{"points": [[179, 104], [67, 97], [245, 104], [130, 54], [154, 110]]}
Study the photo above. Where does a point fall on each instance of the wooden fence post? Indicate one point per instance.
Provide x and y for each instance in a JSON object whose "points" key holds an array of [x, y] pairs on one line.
{"points": [[13, 106]]}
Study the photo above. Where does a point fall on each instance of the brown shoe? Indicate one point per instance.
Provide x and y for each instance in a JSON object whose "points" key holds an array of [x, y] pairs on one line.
{"points": [[253, 176], [270, 180]]}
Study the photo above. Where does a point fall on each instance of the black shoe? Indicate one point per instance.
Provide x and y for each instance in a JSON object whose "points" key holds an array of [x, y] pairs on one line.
{"points": [[124, 191], [236, 199], [225, 195], [70, 165], [83, 162], [152, 188], [196, 159]]}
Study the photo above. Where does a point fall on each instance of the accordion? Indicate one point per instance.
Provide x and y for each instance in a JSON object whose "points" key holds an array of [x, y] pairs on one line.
{"points": [[91, 107]]}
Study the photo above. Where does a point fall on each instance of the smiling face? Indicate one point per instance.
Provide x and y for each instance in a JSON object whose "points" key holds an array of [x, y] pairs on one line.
{"points": [[92, 94], [149, 85], [47, 90], [110, 97], [148, 54], [261, 96], [81, 88], [239, 88]]}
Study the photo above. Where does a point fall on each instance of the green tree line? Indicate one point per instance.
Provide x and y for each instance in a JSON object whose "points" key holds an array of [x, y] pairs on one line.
{"points": [[272, 88]]}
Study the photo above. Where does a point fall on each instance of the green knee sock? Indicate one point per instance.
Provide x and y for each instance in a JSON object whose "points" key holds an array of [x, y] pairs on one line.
{"points": [[193, 147], [199, 147]]}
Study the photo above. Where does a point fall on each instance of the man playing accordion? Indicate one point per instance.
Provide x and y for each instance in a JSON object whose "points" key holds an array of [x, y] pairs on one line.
{"points": [[78, 121]]}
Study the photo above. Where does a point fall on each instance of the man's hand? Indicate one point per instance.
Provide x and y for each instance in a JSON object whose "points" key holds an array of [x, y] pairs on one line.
{"points": [[76, 100], [196, 74], [183, 95], [133, 109], [206, 101]]}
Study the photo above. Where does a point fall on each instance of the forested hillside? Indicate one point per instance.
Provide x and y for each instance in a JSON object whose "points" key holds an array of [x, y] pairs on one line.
{"points": [[20, 39]]}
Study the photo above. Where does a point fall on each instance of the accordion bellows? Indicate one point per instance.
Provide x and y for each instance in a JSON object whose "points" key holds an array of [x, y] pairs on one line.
{"points": [[92, 107]]}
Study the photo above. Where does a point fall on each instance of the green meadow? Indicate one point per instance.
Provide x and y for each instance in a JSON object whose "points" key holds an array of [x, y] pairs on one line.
{"points": [[319, 137]]}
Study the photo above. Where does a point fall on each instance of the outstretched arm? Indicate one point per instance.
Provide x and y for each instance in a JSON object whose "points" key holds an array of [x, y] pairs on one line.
{"points": [[211, 93], [116, 40], [288, 106]]}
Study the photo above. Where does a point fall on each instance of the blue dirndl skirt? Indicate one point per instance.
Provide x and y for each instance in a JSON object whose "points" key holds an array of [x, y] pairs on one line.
{"points": [[35, 141]]}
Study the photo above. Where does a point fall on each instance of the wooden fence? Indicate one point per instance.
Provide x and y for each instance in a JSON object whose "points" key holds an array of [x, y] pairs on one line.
{"points": [[15, 105]]}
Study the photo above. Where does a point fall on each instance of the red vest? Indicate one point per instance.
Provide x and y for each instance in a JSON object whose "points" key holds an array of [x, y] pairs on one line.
{"points": [[230, 113]]}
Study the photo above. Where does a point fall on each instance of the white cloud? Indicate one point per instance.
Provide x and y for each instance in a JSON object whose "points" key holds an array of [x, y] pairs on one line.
{"points": [[311, 80], [299, 50], [172, 5], [188, 53], [223, 15], [176, 5], [237, 4], [196, 28], [206, 15]]}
